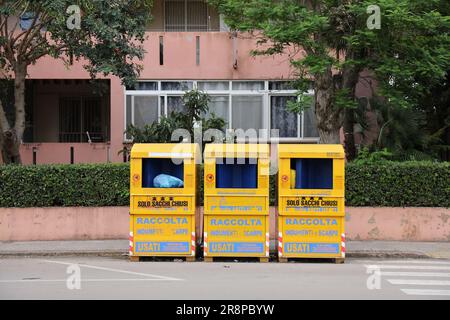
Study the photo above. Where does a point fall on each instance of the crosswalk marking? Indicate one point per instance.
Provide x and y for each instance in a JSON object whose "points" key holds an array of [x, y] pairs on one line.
{"points": [[426, 292], [416, 282], [388, 266], [414, 274], [415, 277]]}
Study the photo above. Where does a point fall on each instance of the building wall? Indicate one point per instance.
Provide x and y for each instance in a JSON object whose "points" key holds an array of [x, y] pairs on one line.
{"points": [[217, 53], [221, 57]]}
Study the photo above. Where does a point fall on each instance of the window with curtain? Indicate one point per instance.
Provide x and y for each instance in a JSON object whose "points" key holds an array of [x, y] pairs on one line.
{"points": [[174, 103], [145, 110], [251, 106], [283, 119], [186, 15], [247, 112]]}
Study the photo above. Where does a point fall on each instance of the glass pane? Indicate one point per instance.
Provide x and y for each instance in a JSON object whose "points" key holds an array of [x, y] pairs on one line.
{"points": [[145, 110], [213, 85], [247, 112], [282, 119], [219, 106], [176, 85], [310, 123], [281, 85], [174, 103], [144, 85], [248, 85]]}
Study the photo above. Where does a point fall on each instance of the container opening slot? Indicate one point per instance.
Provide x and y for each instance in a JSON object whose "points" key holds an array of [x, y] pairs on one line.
{"points": [[312, 173], [151, 167], [241, 174]]}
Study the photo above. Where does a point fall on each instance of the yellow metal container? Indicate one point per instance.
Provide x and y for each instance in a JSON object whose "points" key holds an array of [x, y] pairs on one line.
{"points": [[311, 209], [162, 220], [236, 200]]}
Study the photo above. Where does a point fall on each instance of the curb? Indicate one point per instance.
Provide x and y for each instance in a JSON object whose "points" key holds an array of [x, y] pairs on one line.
{"points": [[124, 254]]}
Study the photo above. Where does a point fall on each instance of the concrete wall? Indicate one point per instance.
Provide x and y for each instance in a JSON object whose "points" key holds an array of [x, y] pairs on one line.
{"points": [[78, 223]]}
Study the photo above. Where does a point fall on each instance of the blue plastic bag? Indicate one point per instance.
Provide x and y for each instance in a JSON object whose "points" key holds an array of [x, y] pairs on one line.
{"points": [[167, 181]]}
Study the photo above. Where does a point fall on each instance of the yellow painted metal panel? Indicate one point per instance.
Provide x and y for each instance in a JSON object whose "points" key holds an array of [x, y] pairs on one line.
{"points": [[314, 206], [236, 235], [326, 151], [165, 150], [167, 204], [219, 151], [311, 221], [244, 204], [285, 183], [163, 235], [187, 152], [311, 237], [236, 220], [237, 150], [162, 221]]}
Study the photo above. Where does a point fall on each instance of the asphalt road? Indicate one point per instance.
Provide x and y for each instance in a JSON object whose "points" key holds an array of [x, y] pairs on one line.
{"points": [[117, 278]]}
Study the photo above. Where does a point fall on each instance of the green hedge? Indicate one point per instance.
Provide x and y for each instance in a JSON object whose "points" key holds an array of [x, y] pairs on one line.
{"points": [[398, 184], [64, 185], [382, 184]]}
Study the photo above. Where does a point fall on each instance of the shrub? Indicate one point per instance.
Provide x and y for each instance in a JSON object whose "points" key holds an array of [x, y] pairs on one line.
{"points": [[64, 185], [398, 184], [370, 184]]}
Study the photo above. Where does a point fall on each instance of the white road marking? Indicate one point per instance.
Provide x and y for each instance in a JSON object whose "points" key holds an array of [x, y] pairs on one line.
{"points": [[414, 274], [82, 280], [116, 270], [431, 262], [417, 282], [426, 292], [387, 266]]}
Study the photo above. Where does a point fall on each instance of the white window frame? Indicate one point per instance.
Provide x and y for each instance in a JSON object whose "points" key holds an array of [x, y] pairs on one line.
{"points": [[266, 95]]}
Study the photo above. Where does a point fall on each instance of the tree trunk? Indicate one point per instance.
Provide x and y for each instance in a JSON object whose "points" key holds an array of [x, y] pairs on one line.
{"points": [[350, 76], [329, 118], [12, 137], [349, 136]]}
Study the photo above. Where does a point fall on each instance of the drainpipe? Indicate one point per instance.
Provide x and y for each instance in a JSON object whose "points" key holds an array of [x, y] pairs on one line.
{"points": [[235, 53]]}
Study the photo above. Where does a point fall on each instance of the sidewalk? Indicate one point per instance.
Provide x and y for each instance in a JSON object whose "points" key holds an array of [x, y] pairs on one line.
{"points": [[355, 249]]}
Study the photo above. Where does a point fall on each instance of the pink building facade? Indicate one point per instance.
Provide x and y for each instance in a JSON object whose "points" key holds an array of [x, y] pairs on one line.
{"points": [[188, 46]]}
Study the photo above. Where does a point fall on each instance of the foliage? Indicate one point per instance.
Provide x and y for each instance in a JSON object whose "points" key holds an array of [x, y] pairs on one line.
{"points": [[402, 132], [398, 184], [383, 183], [195, 108], [366, 156], [329, 44], [105, 36], [64, 185], [109, 37]]}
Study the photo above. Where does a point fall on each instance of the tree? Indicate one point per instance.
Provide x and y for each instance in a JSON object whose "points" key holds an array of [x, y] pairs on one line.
{"points": [[331, 41], [107, 34]]}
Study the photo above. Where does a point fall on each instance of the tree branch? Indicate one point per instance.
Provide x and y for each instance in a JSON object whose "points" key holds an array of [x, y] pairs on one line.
{"points": [[25, 41]]}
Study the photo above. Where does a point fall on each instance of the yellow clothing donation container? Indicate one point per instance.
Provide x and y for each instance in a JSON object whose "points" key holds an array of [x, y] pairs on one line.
{"points": [[311, 209], [236, 201], [162, 216]]}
